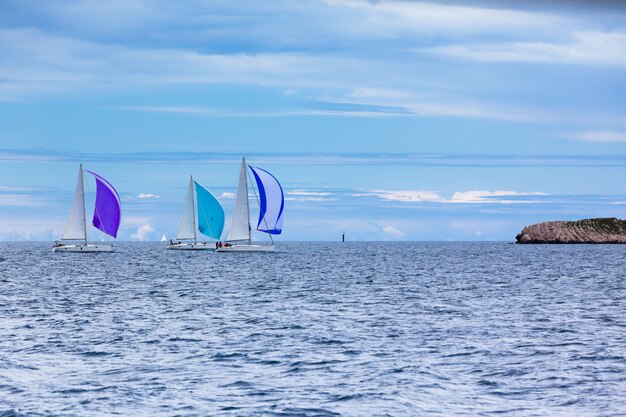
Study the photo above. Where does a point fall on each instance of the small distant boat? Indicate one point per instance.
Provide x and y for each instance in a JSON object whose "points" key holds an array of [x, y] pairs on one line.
{"points": [[107, 215], [163, 238], [209, 219], [271, 202]]}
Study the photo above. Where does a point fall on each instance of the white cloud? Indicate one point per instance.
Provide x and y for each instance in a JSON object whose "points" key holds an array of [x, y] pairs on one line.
{"points": [[142, 195], [227, 195], [89, 48], [404, 196], [388, 232], [32, 229], [207, 112], [308, 193], [309, 199], [143, 232], [465, 197], [605, 136], [587, 48], [393, 232], [62, 62], [392, 18], [133, 221], [21, 200], [395, 103], [17, 156], [50, 62], [491, 197]]}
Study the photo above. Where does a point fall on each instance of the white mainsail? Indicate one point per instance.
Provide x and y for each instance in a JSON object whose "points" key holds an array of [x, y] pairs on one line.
{"points": [[240, 228], [187, 226], [163, 238], [75, 228]]}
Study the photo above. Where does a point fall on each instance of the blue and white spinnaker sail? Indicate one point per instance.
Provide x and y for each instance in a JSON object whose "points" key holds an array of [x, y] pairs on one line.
{"points": [[272, 201]]}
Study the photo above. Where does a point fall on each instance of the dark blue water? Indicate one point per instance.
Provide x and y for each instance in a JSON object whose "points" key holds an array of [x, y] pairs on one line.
{"points": [[319, 329]]}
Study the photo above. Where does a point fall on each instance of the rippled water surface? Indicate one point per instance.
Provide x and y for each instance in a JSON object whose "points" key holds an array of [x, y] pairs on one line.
{"points": [[318, 329]]}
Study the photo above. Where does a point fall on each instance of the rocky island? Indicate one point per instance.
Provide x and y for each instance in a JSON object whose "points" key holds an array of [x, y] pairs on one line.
{"points": [[601, 230]]}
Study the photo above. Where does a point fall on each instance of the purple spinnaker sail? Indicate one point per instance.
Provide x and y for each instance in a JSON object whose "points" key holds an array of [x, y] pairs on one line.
{"points": [[107, 214]]}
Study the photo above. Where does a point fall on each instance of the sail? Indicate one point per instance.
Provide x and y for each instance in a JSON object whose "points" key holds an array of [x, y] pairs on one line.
{"points": [[210, 213], [163, 238], [107, 213], [272, 202], [240, 228], [187, 226], [75, 228]]}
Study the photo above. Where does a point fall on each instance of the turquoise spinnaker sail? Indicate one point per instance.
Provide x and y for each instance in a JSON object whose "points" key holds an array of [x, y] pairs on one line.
{"points": [[210, 213]]}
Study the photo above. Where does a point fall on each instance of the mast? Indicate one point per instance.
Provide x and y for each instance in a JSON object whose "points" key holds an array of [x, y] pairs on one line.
{"points": [[240, 226], [245, 175], [76, 227], [193, 208], [82, 180], [187, 225]]}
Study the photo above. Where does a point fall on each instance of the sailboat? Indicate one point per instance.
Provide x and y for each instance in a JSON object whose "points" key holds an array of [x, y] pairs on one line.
{"points": [[163, 238], [271, 202], [209, 219], [106, 217]]}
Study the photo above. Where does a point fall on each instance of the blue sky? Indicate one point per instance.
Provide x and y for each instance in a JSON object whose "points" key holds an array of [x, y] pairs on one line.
{"points": [[390, 120]]}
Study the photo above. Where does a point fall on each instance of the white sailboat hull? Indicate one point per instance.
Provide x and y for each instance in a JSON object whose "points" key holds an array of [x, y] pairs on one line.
{"points": [[246, 248], [83, 248], [191, 246]]}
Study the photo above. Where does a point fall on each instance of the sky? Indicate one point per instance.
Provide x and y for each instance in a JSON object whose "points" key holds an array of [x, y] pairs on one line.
{"points": [[389, 120]]}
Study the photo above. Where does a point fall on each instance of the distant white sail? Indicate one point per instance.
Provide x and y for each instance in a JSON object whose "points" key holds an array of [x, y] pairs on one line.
{"points": [[187, 226], [240, 228], [163, 238], [75, 228]]}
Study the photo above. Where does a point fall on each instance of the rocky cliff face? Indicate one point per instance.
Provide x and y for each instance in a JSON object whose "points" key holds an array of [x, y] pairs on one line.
{"points": [[603, 230]]}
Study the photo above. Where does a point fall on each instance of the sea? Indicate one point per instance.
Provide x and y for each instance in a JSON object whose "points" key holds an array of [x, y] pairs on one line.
{"points": [[315, 329]]}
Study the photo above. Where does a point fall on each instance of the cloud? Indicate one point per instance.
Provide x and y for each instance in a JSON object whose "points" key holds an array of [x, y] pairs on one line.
{"points": [[227, 195], [393, 18], [347, 110], [393, 232], [50, 61], [404, 196], [604, 136], [493, 197], [21, 200], [338, 49], [77, 55], [308, 193], [309, 199], [143, 232], [388, 232], [464, 197], [585, 48], [27, 155], [320, 158], [142, 195], [31, 229]]}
